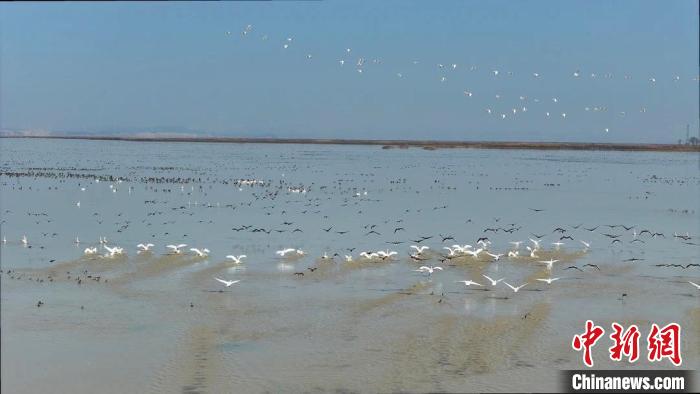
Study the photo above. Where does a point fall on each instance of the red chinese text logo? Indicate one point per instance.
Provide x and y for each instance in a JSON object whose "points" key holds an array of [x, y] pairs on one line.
{"points": [[587, 340], [665, 343], [661, 343]]}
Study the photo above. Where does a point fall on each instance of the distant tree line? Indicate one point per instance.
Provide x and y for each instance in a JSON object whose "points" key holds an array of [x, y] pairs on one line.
{"points": [[690, 141]]}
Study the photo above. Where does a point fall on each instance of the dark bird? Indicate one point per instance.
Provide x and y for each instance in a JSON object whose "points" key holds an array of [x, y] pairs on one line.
{"points": [[591, 229], [633, 259], [566, 237], [573, 267], [372, 232], [447, 238], [399, 229], [592, 265], [536, 210], [612, 235]]}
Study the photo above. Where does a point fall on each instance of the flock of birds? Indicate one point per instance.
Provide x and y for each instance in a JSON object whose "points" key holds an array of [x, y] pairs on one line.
{"points": [[176, 207], [418, 254], [499, 107]]}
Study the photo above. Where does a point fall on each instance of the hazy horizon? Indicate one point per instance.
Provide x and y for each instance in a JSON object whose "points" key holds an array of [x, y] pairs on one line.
{"points": [[198, 69]]}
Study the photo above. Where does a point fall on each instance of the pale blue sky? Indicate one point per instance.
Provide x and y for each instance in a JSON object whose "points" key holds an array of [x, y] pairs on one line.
{"points": [[143, 67]]}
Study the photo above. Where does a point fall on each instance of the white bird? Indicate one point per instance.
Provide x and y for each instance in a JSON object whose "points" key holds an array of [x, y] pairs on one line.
{"points": [[697, 286], [535, 242], [283, 252], [77, 204], [513, 253], [24, 240], [90, 251], [228, 283], [144, 248], [176, 248], [493, 282], [236, 259], [103, 240], [428, 269], [113, 251], [468, 283], [386, 254], [515, 289], [516, 244], [586, 244], [348, 258], [484, 243], [558, 244], [201, 253], [77, 240], [451, 250], [474, 253], [532, 252], [549, 263], [548, 280], [420, 249], [496, 257], [4, 240]]}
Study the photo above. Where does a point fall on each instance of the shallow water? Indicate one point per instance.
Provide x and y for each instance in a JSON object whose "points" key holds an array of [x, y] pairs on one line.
{"points": [[157, 322]]}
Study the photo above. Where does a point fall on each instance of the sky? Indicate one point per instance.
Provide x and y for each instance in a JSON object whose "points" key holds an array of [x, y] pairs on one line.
{"points": [[181, 67]]}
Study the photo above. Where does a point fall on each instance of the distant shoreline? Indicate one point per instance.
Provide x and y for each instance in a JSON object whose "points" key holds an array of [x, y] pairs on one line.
{"points": [[396, 144]]}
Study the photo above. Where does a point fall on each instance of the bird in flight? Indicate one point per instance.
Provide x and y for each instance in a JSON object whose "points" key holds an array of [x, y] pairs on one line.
{"points": [[228, 283], [468, 283], [493, 282], [515, 289]]}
